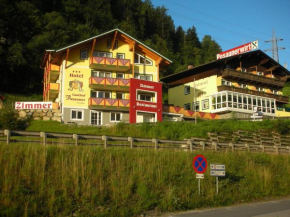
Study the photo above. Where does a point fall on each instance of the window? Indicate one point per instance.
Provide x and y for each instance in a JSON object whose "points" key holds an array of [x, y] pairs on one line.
{"points": [[244, 86], [101, 94], [109, 44], [260, 73], [225, 82], [102, 54], [186, 90], [139, 59], [120, 75], [101, 74], [84, 54], [243, 70], [260, 89], [144, 77], [195, 106], [120, 56], [205, 104], [145, 97], [115, 117], [276, 92], [186, 106], [120, 95], [77, 115], [96, 118]]}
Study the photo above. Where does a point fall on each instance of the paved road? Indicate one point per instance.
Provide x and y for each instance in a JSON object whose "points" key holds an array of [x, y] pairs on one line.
{"points": [[277, 208]]}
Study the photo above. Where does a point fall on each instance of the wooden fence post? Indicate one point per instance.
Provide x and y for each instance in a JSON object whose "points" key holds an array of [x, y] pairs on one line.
{"points": [[131, 140], [276, 149], [105, 139], [189, 142], [155, 141], [247, 146], [202, 145], [8, 134], [76, 138], [262, 147], [214, 145], [232, 146], [44, 136]]}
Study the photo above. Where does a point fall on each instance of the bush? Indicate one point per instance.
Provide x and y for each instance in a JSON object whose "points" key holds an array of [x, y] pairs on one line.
{"points": [[282, 127], [9, 119]]}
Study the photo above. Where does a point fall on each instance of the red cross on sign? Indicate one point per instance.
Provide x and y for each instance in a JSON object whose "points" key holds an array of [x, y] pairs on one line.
{"points": [[199, 164]]}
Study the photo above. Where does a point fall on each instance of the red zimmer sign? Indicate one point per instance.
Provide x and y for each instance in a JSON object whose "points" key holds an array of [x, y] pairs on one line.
{"points": [[33, 105], [238, 50]]}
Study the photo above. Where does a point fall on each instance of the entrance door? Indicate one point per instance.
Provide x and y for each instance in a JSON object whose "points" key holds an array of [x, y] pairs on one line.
{"points": [[96, 118], [145, 117]]}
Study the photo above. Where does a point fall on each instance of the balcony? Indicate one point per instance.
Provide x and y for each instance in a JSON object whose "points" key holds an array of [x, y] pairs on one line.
{"points": [[109, 83], [51, 92], [52, 72], [246, 77], [112, 64], [110, 104], [279, 98]]}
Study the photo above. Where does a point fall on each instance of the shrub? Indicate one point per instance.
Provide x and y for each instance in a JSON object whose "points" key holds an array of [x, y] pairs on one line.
{"points": [[282, 127], [9, 119]]}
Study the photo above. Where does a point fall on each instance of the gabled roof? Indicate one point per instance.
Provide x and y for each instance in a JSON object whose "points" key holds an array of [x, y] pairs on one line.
{"points": [[264, 59], [122, 35]]}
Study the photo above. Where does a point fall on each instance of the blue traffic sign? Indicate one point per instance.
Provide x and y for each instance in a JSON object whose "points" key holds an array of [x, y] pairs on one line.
{"points": [[199, 164]]}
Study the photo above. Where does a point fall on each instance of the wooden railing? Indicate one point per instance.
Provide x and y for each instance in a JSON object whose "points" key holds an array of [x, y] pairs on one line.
{"points": [[193, 144], [109, 102], [256, 79], [279, 98], [110, 63], [117, 82]]}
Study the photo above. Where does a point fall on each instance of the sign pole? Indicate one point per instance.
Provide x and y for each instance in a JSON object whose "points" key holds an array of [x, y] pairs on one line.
{"points": [[199, 187], [217, 185]]}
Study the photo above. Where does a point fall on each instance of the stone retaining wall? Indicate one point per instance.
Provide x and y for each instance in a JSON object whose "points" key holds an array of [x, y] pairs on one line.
{"points": [[41, 114]]}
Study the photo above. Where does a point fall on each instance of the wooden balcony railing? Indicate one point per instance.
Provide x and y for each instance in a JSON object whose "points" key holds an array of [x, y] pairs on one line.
{"points": [[109, 103], [108, 83], [52, 72], [51, 91], [107, 63], [251, 78], [279, 98]]}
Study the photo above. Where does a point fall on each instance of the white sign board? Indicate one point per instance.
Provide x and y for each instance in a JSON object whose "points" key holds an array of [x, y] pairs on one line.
{"points": [[217, 173], [33, 105], [200, 176], [217, 170], [217, 167]]}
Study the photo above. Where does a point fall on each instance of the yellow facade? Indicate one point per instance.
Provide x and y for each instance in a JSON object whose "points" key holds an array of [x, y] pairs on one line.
{"points": [[204, 88], [95, 67]]}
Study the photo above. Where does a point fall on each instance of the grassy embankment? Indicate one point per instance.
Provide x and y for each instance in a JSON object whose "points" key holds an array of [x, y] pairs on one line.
{"points": [[165, 130], [90, 181]]}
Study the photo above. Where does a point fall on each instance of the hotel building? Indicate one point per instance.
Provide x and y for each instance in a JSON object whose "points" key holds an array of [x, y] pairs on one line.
{"points": [[105, 79], [234, 85]]}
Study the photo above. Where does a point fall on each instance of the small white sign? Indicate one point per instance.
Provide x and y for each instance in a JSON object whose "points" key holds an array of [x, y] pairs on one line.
{"points": [[217, 173], [217, 167], [200, 176]]}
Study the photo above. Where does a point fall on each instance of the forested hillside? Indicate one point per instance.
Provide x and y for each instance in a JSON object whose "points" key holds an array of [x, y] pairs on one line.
{"points": [[27, 28]]}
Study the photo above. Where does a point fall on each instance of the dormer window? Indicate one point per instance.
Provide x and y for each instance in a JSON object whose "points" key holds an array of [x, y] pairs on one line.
{"points": [[109, 44], [84, 54], [139, 59]]}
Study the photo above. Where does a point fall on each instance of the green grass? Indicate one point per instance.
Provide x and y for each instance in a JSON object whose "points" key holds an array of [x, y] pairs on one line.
{"points": [[164, 130], [91, 181], [10, 99]]}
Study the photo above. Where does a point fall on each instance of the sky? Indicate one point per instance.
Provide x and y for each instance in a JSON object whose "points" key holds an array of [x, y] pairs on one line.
{"points": [[232, 23]]}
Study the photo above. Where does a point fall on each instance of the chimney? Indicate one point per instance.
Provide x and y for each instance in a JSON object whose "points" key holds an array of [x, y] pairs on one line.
{"points": [[190, 66]]}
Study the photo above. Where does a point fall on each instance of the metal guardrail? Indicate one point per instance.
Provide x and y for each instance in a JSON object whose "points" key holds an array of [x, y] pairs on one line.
{"points": [[193, 144]]}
